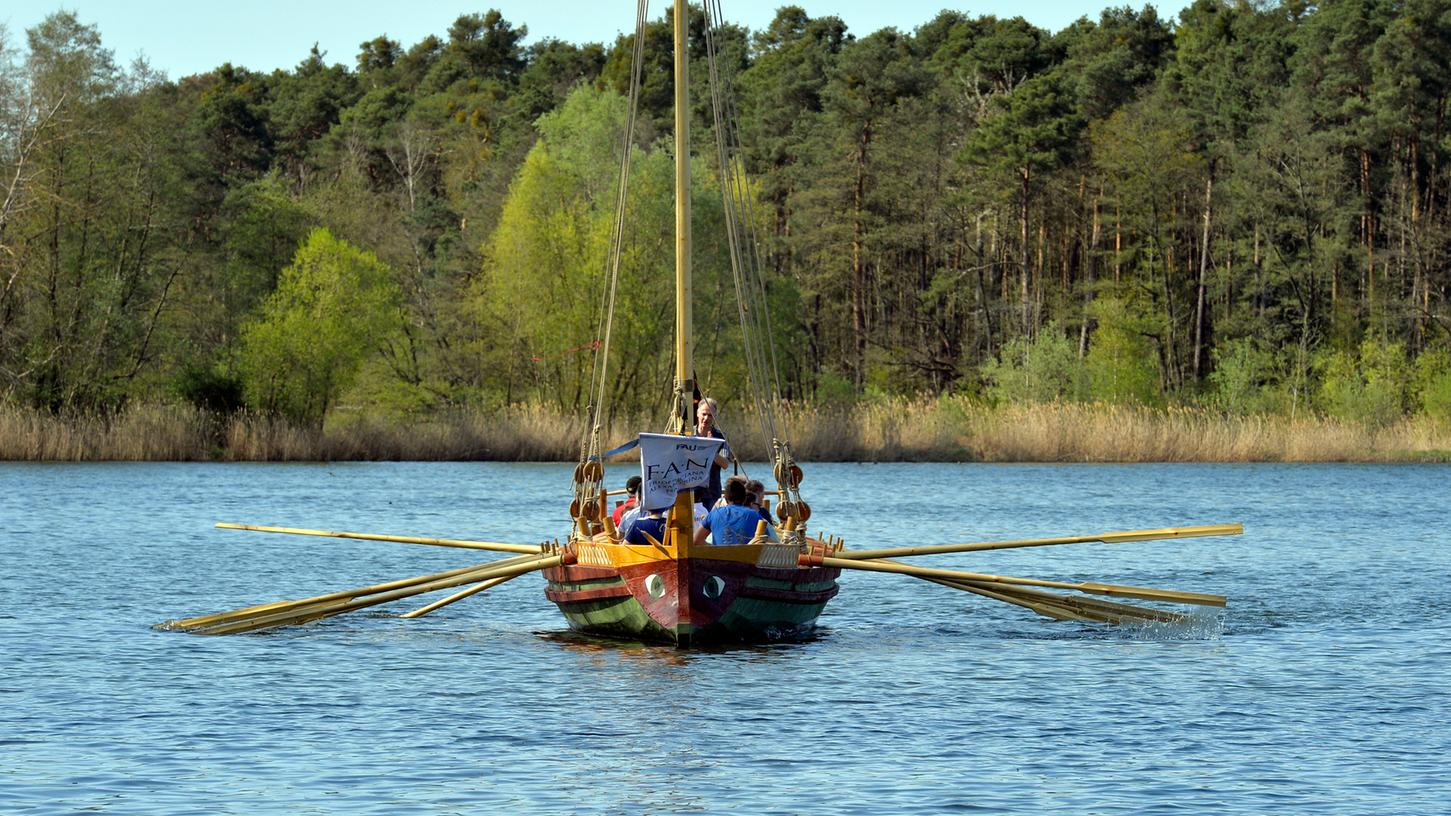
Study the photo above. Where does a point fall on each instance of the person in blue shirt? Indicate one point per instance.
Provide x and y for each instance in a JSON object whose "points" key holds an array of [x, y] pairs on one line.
{"points": [[648, 521], [756, 499], [734, 523]]}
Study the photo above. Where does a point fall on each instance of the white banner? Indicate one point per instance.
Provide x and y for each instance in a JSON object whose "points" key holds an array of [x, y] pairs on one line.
{"points": [[670, 464]]}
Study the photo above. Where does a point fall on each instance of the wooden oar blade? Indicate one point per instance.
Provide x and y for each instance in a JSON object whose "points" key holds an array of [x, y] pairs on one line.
{"points": [[279, 606], [1067, 607], [290, 617], [1151, 594], [1047, 610], [1107, 611], [305, 610], [985, 579]]}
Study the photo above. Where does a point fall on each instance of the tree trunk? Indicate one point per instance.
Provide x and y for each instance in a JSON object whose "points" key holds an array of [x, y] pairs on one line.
{"points": [[1023, 300], [1090, 270], [1418, 282], [1367, 230], [1118, 243], [858, 267], [1203, 272]]}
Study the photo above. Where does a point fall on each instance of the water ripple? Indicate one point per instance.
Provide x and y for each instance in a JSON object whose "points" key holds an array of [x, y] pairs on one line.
{"points": [[1322, 688]]}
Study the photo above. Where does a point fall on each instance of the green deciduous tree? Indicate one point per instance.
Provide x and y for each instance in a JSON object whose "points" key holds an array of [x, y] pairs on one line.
{"points": [[333, 306], [1368, 386], [1431, 384], [1045, 368], [1120, 366], [544, 270], [89, 246], [1144, 152]]}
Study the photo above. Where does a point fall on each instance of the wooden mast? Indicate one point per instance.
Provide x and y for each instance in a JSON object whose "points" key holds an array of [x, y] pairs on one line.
{"points": [[684, 317], [682, 516]]}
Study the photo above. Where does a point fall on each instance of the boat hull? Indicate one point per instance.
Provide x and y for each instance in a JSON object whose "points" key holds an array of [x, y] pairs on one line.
{"points": [[692, 601]]}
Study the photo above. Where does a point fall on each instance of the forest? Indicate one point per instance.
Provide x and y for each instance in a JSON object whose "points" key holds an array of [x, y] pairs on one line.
{"points": [[1244, 209]]}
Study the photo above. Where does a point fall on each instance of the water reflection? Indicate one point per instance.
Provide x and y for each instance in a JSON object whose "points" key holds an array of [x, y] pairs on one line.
{"points": [[647, 653]]}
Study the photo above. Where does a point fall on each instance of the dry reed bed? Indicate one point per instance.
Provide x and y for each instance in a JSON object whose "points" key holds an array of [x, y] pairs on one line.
{"points": [[143, 433], [902, 430]]}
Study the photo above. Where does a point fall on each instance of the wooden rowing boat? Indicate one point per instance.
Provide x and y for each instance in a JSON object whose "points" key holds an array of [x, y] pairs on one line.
{"points": [[744, 593], [676, 590]]}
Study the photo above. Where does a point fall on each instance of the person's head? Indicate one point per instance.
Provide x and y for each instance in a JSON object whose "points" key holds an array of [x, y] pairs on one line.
{"points": [[705, 414], [756, 492], [735, 490], [632, 486]]}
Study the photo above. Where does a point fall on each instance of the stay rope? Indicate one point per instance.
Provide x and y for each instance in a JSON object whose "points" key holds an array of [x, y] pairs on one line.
{"points": [[757, 333], [747, 264], [591, 445]]}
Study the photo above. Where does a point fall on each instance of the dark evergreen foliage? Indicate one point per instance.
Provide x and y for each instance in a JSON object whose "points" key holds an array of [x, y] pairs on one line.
{"points": [[1252, 202]]}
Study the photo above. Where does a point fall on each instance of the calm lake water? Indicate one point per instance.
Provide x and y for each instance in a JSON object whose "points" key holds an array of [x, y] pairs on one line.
{"points": [[1324, 688]]}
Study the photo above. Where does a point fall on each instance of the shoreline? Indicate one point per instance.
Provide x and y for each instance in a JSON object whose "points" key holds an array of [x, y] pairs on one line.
{"points": [[943, 430]]}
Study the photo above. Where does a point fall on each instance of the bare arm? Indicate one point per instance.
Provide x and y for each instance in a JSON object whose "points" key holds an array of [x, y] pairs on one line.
{"points": [[700, 535]]}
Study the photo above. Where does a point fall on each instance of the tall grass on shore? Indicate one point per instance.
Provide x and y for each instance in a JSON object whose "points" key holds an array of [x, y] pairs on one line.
{"points": [[143, 433], [946, 429]]}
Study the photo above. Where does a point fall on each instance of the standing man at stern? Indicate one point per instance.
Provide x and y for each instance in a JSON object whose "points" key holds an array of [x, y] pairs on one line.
{"points": [[705, 426]]}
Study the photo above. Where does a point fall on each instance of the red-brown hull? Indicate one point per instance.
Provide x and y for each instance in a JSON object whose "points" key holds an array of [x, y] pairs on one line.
{"points": [[693, 600]]}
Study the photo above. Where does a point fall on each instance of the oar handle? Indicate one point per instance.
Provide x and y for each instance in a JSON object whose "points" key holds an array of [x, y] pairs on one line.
{"points": [[493, 546], [979, 578], [1105, 538]]}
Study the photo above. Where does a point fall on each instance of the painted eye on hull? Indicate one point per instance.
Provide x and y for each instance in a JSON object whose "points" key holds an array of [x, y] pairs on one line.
{"points": [[714, 586], [655, 585]]}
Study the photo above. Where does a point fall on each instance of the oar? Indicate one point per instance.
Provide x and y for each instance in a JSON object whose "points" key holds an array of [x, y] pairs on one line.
{"points": [[1085, 604], [1094, 588], [346, 594], [457, 596], [1045, 609], [316, 611], [1090, 605], [529, 549], [1052, 609], [1067, 606], [1106, 538]]}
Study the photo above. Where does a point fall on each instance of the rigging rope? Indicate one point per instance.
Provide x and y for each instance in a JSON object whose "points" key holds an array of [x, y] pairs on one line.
{"points": [[747, 264], [590, 445], [739, 210]]}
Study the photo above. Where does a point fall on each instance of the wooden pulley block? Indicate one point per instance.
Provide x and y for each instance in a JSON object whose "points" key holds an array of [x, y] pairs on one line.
{"points": [[789, 510], [590, 509], [578, 473], [804, 512], [593, 471], [574, 509], [788, 476]]}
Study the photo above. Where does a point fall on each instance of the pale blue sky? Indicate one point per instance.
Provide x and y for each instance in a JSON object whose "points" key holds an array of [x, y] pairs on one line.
{"points": [[184, 37]]}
